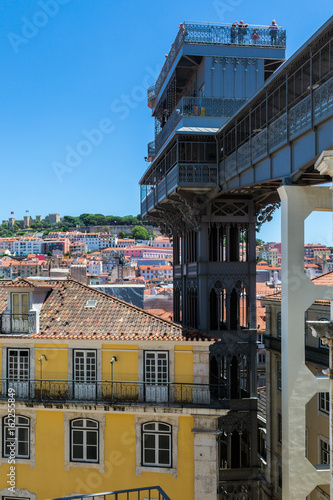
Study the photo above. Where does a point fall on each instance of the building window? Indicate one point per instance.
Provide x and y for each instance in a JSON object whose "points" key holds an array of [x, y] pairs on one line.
{"points": [[324, 402], [156, 375], [16, 438], [278, 324], [279, 478], [279, 428], [278, 376], [324, 452], [156, 444], [84, 440]]}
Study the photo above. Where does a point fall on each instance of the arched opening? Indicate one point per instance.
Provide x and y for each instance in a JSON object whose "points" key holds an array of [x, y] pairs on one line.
{"points": [[233, 310], [234, 386], [213, 305], [235, 450]]}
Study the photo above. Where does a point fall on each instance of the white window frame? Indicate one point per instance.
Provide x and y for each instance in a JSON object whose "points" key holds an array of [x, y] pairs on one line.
{"points": [[324, 402], [325, 441], [157, 433], [14, 435], [173, 421], [84, 430]]}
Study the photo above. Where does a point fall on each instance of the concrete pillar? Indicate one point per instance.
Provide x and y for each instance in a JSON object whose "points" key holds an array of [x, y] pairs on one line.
{"points": [[298, 383], [205, 458]]}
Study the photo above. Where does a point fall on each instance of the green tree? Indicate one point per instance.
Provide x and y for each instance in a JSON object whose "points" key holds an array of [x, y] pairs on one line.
{"points": [[122, 235], [140, 233]]}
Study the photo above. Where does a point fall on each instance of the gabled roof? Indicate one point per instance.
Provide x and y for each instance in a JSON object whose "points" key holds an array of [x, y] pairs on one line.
{"points": [[65, 315]]}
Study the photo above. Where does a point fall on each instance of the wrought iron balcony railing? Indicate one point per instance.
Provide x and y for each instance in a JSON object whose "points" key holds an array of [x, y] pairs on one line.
{"points": [[182, 175], [18, 323], [117, 392], [314, 355], [217, 34], [150, 492], [197, 106]]}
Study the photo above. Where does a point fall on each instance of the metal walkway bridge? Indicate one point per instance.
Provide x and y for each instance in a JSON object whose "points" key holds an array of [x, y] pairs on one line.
{"points": [[278, 135]]}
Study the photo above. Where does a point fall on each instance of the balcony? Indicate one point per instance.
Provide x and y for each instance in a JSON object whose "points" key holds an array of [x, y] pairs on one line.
{"points": [[18, 323], [117, 392], [197, 177], [316, 355], [210, 107], [215, 34], [243, 474]]}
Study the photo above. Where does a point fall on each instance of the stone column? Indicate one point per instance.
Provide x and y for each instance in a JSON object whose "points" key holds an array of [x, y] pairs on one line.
{"points": [[298, 383], [205, 458]]}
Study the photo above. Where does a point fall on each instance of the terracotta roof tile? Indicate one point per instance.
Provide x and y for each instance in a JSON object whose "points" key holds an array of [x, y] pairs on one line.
{"points": [[64, 315]]}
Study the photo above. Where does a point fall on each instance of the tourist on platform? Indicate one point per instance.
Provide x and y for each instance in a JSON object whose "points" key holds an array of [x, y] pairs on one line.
{"points": [[273, 29], [233, 33], [242, 30], [255, 37]]}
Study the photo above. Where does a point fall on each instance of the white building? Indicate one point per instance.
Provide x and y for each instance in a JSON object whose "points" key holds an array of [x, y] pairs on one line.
{"points": [[107, 241], [95, 267], [26, 246]]}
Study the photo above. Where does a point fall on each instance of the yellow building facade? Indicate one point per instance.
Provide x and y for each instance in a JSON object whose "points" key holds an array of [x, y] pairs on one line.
{"points": [[102, 408]]}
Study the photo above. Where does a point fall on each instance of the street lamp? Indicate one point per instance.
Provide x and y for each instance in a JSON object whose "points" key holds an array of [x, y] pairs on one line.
{"points": [[41, 374], [113, 360]]}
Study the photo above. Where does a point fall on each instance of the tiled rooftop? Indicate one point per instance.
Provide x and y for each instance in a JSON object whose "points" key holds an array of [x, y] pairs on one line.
{"points": [[64, 315]]}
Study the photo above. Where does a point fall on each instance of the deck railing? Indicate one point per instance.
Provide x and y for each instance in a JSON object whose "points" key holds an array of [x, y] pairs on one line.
{"points": [[18, 323], [182, 174], [148, 493], [116, 392], [197, 106], [296, 121], [217, 34]]}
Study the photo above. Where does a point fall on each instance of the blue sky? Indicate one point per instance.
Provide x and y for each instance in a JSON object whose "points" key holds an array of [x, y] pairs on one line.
{"points": [[72, 67]]}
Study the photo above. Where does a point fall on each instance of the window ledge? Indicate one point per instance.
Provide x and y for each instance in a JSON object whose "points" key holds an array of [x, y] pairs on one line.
{"points": [[90, 465], [168, 470]]}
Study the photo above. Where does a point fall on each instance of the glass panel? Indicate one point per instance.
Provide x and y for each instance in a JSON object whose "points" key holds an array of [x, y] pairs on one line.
{"points": [[149, 427], [149, 456], [164, 457], [164, 427], [16, 305], [24, 298], [23, 449], [149, 440], [77, 437], [77, 452], [91, 452], [92, 437], [77, 423], [22, 420], [91, 423], [164, 442]]}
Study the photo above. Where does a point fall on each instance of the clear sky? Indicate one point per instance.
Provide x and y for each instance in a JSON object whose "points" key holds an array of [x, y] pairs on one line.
{"points": [[70, 67]]}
